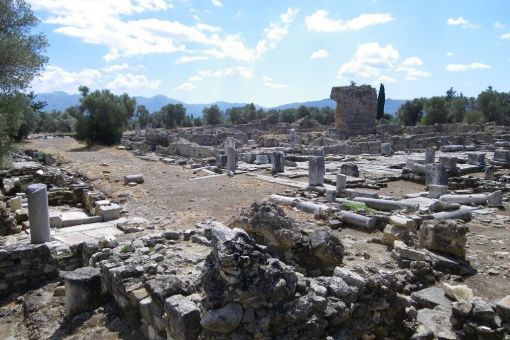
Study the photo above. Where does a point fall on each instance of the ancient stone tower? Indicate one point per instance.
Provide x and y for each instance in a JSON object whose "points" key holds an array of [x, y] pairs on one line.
{"points": [[356, 110]]}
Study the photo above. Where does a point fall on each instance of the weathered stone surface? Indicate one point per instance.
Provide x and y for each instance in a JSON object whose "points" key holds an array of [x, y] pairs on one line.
{"points": [[316, 170], [38, 213], [438, 321], [183, 318], [431, 297], [503, 308], [349, 169], [495, 199], [447, 237], [356, 109], [224, 319], [319, 250]]}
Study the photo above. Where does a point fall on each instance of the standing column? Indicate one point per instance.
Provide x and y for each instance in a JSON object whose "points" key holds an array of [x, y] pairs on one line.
{"points": [[137, 129], [38, 214], [316, 170], [341, 184], [230, 151], [430, 155], [293, 137], [278, 162]]}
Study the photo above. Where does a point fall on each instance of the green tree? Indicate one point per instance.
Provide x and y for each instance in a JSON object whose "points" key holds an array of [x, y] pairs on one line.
{"points": [[172, 115], [287, 115], [234, 115], [21, 51], [197, 121], [21, 59], [381, 98], [212, 115], [143, 115], [411, 112], [302, 111], [457, 108], [103, 116], [435, 111], [494, 106]]}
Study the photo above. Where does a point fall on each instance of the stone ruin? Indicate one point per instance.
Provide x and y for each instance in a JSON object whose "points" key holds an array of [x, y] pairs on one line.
{"points": [[338, 255], [356, 110]]}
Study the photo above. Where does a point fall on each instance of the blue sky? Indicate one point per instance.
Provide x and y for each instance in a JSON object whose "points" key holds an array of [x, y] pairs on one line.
{"points": [[274, 52]]}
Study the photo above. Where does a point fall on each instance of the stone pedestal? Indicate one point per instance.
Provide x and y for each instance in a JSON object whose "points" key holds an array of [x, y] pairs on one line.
{"points": [[430, 155], [502, 157], [316, 170], [436, 174], [221, 161], [489, 173], [261, 159], [83, 290], [476, 158], [38, 213], [450, 163], [341, 183], [386, 149], [349, 169], [278, 162], [436, 191]]}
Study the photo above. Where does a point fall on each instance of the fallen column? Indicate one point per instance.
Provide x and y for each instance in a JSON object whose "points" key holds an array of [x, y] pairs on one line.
{"points": [[357, 220], [385, 205], [463, 213], [138, 179], [38, 213], [305, 206], [464, 199], [403, 222]]}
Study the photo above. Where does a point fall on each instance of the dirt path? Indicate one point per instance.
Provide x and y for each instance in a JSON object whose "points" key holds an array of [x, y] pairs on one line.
{"points": [[168, 198]]}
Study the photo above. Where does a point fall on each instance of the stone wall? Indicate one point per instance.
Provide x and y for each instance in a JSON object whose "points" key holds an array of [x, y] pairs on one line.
{"points": [[25, 265]]}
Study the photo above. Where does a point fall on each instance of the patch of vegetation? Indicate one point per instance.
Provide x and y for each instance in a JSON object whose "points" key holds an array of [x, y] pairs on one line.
{"points": [[126, 248], [358, 207]]}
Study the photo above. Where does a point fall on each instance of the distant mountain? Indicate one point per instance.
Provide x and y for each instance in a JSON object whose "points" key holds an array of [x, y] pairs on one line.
{"points": [[60, 100]]}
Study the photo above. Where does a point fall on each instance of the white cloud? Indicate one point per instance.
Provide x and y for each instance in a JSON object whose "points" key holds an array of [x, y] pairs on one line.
{"points": [[107, 23], [499, 26], [269, 82], [188, 59], [217, 3], [116, 68], [230, 72], [466, 67], [505, 36], [319, 54], [55, 78], [275, 32], [320, 22], [460, 21], [369, 61], [449, 54], [186, 86], [413, 61], [129, 81], [377, 63]]}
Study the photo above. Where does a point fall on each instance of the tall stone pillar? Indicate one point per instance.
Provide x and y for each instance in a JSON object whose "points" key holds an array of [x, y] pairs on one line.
{"points": [[436, 174], [341, 184], [230, 151], [38, 214], [293, 137], [430, 155], [316, 170], [137, 130], [278, 162]]}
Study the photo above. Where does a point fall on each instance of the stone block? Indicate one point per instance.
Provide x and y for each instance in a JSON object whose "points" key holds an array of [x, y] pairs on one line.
{"points": [[109, 212], [183, 317]]}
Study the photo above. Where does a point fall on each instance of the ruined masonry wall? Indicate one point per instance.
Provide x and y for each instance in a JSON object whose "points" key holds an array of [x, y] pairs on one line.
{"points": [[25, 265]]}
